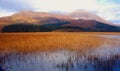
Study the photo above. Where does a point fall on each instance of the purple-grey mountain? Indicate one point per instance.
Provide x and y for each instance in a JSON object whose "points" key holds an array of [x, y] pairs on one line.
{"points": [[80, 20]]}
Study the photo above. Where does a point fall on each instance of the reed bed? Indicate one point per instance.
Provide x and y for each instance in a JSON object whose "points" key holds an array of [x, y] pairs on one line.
{"points": [[33, 42]]}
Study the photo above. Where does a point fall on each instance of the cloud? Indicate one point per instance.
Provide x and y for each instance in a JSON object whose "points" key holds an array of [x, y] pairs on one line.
{"points": [[64, 5], [15, 5], [5, 13], [110, 11]]}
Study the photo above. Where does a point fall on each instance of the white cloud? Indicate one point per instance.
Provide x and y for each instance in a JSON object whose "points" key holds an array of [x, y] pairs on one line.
{"points": [[110, 11], [5, 13], [64, 5]]}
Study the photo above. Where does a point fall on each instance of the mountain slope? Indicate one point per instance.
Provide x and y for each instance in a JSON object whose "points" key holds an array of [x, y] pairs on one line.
{"points": [[71, 26], [30, 21], [93, 25], [41, 15], [86, 15]]}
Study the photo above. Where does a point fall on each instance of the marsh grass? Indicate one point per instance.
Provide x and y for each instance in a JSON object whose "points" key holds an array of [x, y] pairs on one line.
{"points": [[59, 52], [33, 42]]}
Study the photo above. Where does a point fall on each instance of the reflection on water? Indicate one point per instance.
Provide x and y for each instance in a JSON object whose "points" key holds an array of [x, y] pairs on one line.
{"points": [[103, 58], [110, 36]]}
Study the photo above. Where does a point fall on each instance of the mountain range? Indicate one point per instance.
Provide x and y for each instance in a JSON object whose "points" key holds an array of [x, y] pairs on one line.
{"points": [[78, 21]]}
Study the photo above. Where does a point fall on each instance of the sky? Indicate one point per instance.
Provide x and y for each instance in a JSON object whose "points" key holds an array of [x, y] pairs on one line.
{"points": [[107, 9]]}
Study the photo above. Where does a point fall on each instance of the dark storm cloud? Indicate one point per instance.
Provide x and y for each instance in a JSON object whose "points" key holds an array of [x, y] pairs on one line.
{"points": [[15, 5]]}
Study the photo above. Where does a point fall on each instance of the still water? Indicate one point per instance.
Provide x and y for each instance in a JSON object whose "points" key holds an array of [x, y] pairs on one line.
{"points": [[110, 36], [103, 58]]}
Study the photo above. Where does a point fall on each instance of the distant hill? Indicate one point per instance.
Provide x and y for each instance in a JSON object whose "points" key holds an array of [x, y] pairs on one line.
{"points": [[41, 15], [86, 15], [30, 21]]}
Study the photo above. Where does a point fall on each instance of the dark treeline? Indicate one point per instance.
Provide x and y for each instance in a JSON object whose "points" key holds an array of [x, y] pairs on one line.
{"points": [[99, 27], [21, 27]]}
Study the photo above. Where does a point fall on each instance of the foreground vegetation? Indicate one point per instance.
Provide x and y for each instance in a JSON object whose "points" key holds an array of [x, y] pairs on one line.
{"points": [[55, 51], [29, 42]]}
